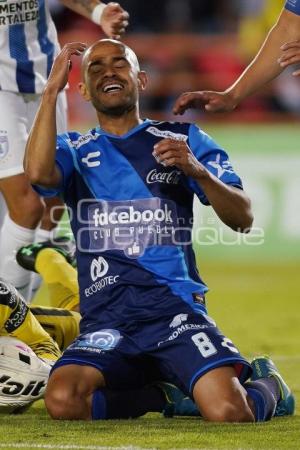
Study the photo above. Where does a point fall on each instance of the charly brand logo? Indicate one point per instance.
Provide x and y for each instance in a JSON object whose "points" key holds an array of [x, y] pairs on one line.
{"points": [[3, 146], [177, 320], [99, 268], [221, 166], [155, 176], [90, 160]]}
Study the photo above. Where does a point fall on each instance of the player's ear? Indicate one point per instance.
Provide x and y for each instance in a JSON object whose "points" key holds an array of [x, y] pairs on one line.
{"points": [[142, 80], [83, 91]]}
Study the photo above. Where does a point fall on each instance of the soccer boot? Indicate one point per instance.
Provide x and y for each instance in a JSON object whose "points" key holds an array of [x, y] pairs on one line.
{"points": [[177, 403], [263, 367], [26, 256], [47, 350]]}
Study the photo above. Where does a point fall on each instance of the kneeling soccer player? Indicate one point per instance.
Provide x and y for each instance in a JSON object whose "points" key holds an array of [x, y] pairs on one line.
{"points": [[43, 329], [130, 184]]}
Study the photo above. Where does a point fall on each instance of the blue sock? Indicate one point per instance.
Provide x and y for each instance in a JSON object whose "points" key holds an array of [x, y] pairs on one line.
{"points": [[98, 406], [263, 399], [121, 404]]}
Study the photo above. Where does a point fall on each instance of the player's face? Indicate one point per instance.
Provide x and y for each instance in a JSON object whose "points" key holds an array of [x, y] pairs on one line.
{"points": [[112, 78]]}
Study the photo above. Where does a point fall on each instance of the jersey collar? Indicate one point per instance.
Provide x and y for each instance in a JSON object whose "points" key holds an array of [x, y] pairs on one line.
{"points": [[134, 130]]}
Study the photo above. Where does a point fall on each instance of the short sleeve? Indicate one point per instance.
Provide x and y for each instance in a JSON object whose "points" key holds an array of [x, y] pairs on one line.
{"points": [[293, 6], [214, 158], [65, 163]]}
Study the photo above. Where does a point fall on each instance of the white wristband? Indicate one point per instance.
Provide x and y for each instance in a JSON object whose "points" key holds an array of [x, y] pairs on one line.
{"points": [[97, 13]]}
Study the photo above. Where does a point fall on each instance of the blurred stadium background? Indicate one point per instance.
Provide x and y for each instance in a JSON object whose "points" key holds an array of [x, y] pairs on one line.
{"points": [[254, 279]]}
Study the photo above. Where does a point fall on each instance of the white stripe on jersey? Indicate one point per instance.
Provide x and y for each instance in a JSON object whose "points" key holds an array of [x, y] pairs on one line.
{"points": [[9, 66]]}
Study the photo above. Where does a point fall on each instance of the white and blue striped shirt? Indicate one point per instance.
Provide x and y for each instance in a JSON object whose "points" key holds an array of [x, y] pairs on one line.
{"points": [[28, 45]]}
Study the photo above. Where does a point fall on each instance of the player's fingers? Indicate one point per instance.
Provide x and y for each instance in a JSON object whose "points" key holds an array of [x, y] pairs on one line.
{"points": [[289, 53], [75, 45], [296, 73], [172, 161], [182, 103], [168, 144], [292, 60], [117, 9], [191, 100], [118, 28], [166, 156], [289, 45]]}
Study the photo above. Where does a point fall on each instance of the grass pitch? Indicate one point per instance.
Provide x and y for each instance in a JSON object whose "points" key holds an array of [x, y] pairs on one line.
{"points": [[257, 307]]}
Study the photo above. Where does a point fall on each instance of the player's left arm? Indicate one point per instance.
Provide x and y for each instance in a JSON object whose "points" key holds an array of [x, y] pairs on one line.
{"points": [[230, 203], [112, 18]]}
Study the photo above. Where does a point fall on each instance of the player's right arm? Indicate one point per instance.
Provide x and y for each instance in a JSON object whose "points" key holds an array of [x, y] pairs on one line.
{"points": [[40, 152], [264, 67]]}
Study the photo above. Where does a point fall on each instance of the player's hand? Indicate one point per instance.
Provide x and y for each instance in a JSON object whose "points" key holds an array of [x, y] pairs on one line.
{"points": [[114, 20], [290, 55], [212, 101], [172, 152], [62, 65]]}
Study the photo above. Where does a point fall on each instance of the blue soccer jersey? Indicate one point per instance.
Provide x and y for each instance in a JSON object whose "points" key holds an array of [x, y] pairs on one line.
{"points": [[293, 6], [132, 220]]}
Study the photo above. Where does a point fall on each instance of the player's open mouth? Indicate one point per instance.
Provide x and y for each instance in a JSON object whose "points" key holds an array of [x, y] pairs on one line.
{"points": [[112, 87]]}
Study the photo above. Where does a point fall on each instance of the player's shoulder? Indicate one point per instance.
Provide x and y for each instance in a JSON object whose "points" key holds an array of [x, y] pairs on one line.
{"points": [[76, 140]]}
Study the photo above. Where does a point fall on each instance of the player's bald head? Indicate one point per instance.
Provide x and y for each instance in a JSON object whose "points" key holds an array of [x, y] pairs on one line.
{"points": [[103, 47]]}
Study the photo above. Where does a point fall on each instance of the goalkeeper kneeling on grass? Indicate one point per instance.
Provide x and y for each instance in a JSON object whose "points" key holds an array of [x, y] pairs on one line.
{"points": [[32, 337]]}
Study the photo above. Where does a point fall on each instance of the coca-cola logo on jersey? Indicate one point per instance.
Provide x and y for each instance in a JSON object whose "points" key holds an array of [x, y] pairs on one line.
{"points": [[154, 176]]}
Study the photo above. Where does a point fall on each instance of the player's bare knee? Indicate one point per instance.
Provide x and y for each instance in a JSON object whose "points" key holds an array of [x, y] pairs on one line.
{"points": [[227, 411], [62, 402]]}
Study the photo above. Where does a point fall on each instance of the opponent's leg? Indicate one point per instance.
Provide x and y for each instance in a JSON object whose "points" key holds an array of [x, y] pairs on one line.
{"points": [[61, 324], [17, 320], [50, 260], [18, 227]]}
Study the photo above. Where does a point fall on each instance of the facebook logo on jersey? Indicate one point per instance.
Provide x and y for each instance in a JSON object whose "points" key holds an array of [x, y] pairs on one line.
{"points": [[131, 225]]}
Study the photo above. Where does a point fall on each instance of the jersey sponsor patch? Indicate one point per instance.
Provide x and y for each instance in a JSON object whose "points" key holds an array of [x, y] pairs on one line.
{"points": [[131, 225], [12, 13], [167, 134], [98, 341]]}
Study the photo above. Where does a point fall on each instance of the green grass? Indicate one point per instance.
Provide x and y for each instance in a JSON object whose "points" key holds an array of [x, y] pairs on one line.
{"points": [[257, 307]]}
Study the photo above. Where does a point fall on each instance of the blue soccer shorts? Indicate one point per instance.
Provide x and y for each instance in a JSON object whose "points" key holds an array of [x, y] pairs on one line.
{"points": [[178, 350]]}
